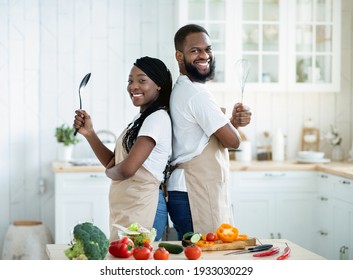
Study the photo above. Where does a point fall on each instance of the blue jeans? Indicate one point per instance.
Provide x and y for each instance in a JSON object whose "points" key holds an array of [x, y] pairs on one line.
{"points": [[179, 212], [160, 221]]}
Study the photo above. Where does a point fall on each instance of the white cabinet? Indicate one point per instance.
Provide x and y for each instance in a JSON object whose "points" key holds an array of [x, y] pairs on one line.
{"points": [[335, 217], [275, 204], [80, 197], [307, 60], [324, 215]]}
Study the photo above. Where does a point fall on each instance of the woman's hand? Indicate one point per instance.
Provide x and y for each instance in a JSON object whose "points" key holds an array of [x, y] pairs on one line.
{"points": [[241, 115], [83, 123]]}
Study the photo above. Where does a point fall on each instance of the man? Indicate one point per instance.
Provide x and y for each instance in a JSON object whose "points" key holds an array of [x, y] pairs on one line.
{"points": [[198, 192]]}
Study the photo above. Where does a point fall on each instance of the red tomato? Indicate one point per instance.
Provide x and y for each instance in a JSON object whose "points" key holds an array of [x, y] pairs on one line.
{"points": [[161, 254], [148, 246], [210, 236], [193, 252], [141, 253], [121, 248]]}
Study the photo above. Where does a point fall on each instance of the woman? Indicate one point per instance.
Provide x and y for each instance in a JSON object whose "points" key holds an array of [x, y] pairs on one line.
{"points": [[142, 150]]}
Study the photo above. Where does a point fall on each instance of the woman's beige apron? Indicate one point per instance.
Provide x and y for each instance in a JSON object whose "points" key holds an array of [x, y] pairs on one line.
{"points": [[206, 179], [133, 200]]}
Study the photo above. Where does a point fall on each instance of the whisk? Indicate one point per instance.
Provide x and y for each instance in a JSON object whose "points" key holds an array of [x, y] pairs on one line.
{"points": [[243, 67]]}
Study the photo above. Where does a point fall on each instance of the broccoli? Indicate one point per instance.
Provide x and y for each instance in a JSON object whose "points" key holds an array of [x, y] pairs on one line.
{"points": [[89, 243]]}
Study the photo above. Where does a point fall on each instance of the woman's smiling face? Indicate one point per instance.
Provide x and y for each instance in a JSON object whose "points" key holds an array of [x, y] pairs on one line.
{"points": [[143, 91]]}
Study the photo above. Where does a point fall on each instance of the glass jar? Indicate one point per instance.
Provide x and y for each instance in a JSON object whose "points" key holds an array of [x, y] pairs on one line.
{"points": [[337, 153]]}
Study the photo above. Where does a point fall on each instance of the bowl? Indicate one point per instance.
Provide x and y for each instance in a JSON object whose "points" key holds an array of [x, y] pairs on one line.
{"points": [[311, 155]]}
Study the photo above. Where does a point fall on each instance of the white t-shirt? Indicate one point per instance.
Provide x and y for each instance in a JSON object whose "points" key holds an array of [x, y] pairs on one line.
{"points": [[195, 117], [157, 126]]}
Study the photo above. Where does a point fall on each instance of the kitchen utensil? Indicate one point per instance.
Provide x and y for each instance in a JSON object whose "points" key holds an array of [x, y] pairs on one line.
{"points": [[259, 248], [82, 86], [243, 67]]}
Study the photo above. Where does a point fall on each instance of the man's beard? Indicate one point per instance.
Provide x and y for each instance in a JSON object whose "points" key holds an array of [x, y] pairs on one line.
{"points": [[196, 75]]}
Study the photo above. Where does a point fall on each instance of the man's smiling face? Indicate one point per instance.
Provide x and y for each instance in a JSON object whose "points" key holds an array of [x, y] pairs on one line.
{"points": [[196, 59]]}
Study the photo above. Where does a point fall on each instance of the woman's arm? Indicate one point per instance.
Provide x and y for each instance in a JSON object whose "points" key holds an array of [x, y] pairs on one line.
{"points": [[84, 125], [139, 152]]}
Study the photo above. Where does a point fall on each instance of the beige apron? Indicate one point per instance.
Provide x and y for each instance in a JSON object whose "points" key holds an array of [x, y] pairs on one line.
{"points": [[206, 179], [133, 200]]}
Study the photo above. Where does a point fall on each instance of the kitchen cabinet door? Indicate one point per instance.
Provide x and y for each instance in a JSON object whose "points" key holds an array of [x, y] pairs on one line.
{"points": [[80, 197], [253, 212], [342, 230], [335, 217], [295, 217], [292, 45], [324, 224], [275, 204], [342, 212]]}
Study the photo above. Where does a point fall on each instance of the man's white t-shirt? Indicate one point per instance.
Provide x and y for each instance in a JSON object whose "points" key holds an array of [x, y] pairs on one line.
{"points": [[157, 126], [195, 117]]}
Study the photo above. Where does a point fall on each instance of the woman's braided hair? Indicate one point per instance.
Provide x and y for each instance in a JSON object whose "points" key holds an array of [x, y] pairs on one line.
{"points": [[158, 72]]}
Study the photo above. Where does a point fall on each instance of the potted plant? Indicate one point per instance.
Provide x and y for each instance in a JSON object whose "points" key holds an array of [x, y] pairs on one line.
{"points": [[65, 137]]}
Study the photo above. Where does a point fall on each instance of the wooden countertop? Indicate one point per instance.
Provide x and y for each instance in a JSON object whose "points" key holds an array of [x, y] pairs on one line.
{"points": [[56, 252], [343, 169]]}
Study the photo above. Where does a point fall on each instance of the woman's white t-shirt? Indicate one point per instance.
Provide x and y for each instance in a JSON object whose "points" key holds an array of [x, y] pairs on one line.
{"points": [[157, 126]]}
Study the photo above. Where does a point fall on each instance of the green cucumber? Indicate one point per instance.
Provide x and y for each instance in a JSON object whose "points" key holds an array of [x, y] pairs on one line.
{"points": [[188, 235], [195, 238], [171, 248]]}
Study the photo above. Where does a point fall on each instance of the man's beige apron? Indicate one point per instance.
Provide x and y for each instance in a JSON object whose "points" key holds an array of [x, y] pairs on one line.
{"points": [[133, 200], [206, 179]]}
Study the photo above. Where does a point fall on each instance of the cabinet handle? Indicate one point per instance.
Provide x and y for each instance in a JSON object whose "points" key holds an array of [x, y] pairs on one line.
{"points": [[323, 233], [275, 175], [344, 182], [324, 176], [279, 235], [95, 176], [271, 235], [322, 198]]}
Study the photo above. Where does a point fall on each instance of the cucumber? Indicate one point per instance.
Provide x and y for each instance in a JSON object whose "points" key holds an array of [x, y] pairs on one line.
{"points": [[188, 235], [171, 248], [195, 238]]}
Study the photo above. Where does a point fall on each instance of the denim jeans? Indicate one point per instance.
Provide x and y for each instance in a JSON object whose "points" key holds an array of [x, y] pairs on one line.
{"points": [[179, 212], [160, 221]]}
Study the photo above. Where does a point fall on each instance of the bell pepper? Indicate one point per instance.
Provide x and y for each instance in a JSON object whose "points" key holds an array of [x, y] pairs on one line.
{"points": [[227, 233], [204, 243], [242, 237], [121, 248]]}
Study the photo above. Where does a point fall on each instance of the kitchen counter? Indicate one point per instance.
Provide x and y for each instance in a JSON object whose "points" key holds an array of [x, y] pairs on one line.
{"points": [[56, 252], [343, 169]]}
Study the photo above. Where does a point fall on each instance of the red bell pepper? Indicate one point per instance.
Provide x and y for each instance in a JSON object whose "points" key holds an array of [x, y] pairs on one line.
{"points": [[121, 248]]}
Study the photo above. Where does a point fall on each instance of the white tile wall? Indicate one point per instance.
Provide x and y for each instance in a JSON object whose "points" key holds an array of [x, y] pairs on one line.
{"points": [[46, 47]]}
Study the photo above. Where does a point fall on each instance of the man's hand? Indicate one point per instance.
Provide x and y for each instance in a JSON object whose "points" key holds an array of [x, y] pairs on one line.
{"points": [[241, 115]]}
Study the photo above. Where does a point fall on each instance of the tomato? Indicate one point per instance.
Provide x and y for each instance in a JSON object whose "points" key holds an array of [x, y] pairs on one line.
{"points": [[161, 254], [148, 246], [141, 253], [193, 252], [210, 236], [121, 248]]}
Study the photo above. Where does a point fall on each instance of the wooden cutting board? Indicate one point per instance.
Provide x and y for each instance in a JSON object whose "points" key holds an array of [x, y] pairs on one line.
{"points": [[222, 246]]}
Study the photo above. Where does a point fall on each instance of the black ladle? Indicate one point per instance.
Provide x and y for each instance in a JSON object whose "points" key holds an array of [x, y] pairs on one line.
{"points": [[82, 85]]}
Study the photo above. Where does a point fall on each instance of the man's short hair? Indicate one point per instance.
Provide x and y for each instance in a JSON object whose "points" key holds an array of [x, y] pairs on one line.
{"points": [[184, 31]]}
